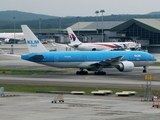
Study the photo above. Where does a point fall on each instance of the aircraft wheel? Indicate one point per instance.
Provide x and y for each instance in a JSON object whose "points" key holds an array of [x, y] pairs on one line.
{"points": [[95, 73], [100, 73], [81, 72], [85, 73], [144, 71], [78, 72], [103, 73]]}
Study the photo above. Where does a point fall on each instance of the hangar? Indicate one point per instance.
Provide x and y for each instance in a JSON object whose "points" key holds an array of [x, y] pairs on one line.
{"points": [[144, 31]]}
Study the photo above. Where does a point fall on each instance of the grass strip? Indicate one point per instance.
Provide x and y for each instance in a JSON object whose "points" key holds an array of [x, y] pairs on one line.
{"points": [[88, 90], [19, 71], [156, 64]]}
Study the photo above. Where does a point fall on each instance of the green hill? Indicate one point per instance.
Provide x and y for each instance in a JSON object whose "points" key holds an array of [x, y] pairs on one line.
{"points": [[20, 16], [53, 22], [154, 13]]}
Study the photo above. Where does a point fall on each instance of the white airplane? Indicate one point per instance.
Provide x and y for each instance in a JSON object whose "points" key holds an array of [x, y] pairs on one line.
{"points": [[124, 61], [102, 46], [12, 37]]}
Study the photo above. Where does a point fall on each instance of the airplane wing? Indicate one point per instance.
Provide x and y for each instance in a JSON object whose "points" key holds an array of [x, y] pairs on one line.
{"points": [[12, 55], [74, 45], [3, 53], [59, 45], [109, 62]]}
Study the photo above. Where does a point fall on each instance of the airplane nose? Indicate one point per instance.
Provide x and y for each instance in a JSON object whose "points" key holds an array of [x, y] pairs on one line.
{"points": [[154, 58], [24, 57]]}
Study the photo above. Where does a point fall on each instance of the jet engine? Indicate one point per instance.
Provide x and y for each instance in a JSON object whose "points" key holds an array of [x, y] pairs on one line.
{"points": [[125, 66], [94, 49], [6, 40]]}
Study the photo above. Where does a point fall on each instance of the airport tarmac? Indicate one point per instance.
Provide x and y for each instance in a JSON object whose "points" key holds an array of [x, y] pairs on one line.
{"points": [[38, 106], [113, 78]]}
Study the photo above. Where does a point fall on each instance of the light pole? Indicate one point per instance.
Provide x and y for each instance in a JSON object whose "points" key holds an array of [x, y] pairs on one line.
{"points": [[102, 11], [14, 18], [39, 28], [78, 25], [97, 20], [59, 23]]}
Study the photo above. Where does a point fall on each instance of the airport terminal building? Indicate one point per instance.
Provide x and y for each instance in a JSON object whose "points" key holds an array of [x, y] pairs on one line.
{"points": [[144, 31]]}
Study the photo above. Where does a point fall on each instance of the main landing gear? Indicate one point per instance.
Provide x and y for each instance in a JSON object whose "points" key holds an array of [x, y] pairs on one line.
{"points": [[145, 69], [100, 73], [81, 72]]}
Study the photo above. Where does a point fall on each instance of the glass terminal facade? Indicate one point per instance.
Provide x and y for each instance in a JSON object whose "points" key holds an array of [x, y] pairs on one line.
{"points": [[142, 34]]}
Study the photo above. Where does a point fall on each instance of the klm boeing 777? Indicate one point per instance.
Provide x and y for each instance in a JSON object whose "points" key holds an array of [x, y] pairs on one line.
{"points": [[124, 61]]}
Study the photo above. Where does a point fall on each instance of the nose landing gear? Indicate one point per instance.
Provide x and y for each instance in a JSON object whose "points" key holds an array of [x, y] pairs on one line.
{"points": [[145, 69]]}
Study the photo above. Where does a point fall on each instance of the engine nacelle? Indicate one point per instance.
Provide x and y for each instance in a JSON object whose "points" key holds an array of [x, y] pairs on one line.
{"points": [[6, 40], [94, 49], [125, 66]]}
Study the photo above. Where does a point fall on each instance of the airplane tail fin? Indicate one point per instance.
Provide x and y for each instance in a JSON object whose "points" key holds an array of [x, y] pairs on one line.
{"points": [[72, 37], [33, 43]]}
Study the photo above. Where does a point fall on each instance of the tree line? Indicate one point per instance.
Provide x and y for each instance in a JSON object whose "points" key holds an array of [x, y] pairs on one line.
{"points": [[64, 22]]}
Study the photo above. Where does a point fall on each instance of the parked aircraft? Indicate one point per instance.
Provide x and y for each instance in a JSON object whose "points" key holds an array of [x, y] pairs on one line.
{"points": [[12, 37], [124, 61], [102, 46]]}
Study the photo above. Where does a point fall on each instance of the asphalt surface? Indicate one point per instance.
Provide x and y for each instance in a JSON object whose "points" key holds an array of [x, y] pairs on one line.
{"points": [[38, 106], [113, 78]]}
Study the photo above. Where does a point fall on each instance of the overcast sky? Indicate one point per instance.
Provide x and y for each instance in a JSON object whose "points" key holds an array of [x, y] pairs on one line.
{"points": [[64, 8]]}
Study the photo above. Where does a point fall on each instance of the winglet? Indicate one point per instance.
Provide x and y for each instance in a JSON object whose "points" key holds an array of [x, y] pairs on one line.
{"points": [[33, 43], [72, 37]]}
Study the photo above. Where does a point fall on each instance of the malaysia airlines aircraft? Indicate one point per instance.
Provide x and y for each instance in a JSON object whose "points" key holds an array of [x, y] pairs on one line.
{"points": [[12, 37], [103, 46], [124, 61]]}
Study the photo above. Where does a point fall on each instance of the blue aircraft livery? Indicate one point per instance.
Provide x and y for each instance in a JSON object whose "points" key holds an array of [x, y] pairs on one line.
{"points": [[124, 61], [33, 43]]}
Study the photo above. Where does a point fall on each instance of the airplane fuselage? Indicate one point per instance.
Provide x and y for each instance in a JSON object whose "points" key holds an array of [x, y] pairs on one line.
{"points": [[96, 47], [103, 46], [84, 59]]}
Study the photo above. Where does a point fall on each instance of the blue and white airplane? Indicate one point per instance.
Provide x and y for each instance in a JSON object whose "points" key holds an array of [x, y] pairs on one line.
{"points": [[124, 61]]}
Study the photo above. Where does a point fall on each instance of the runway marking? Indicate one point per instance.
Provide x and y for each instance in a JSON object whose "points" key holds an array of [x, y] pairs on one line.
{"points": [[156, 77], [65, 69], [23, 67], [38, 112], [118, 116], [43, 67], [102, 116], [61, 69], [3, 66]]}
